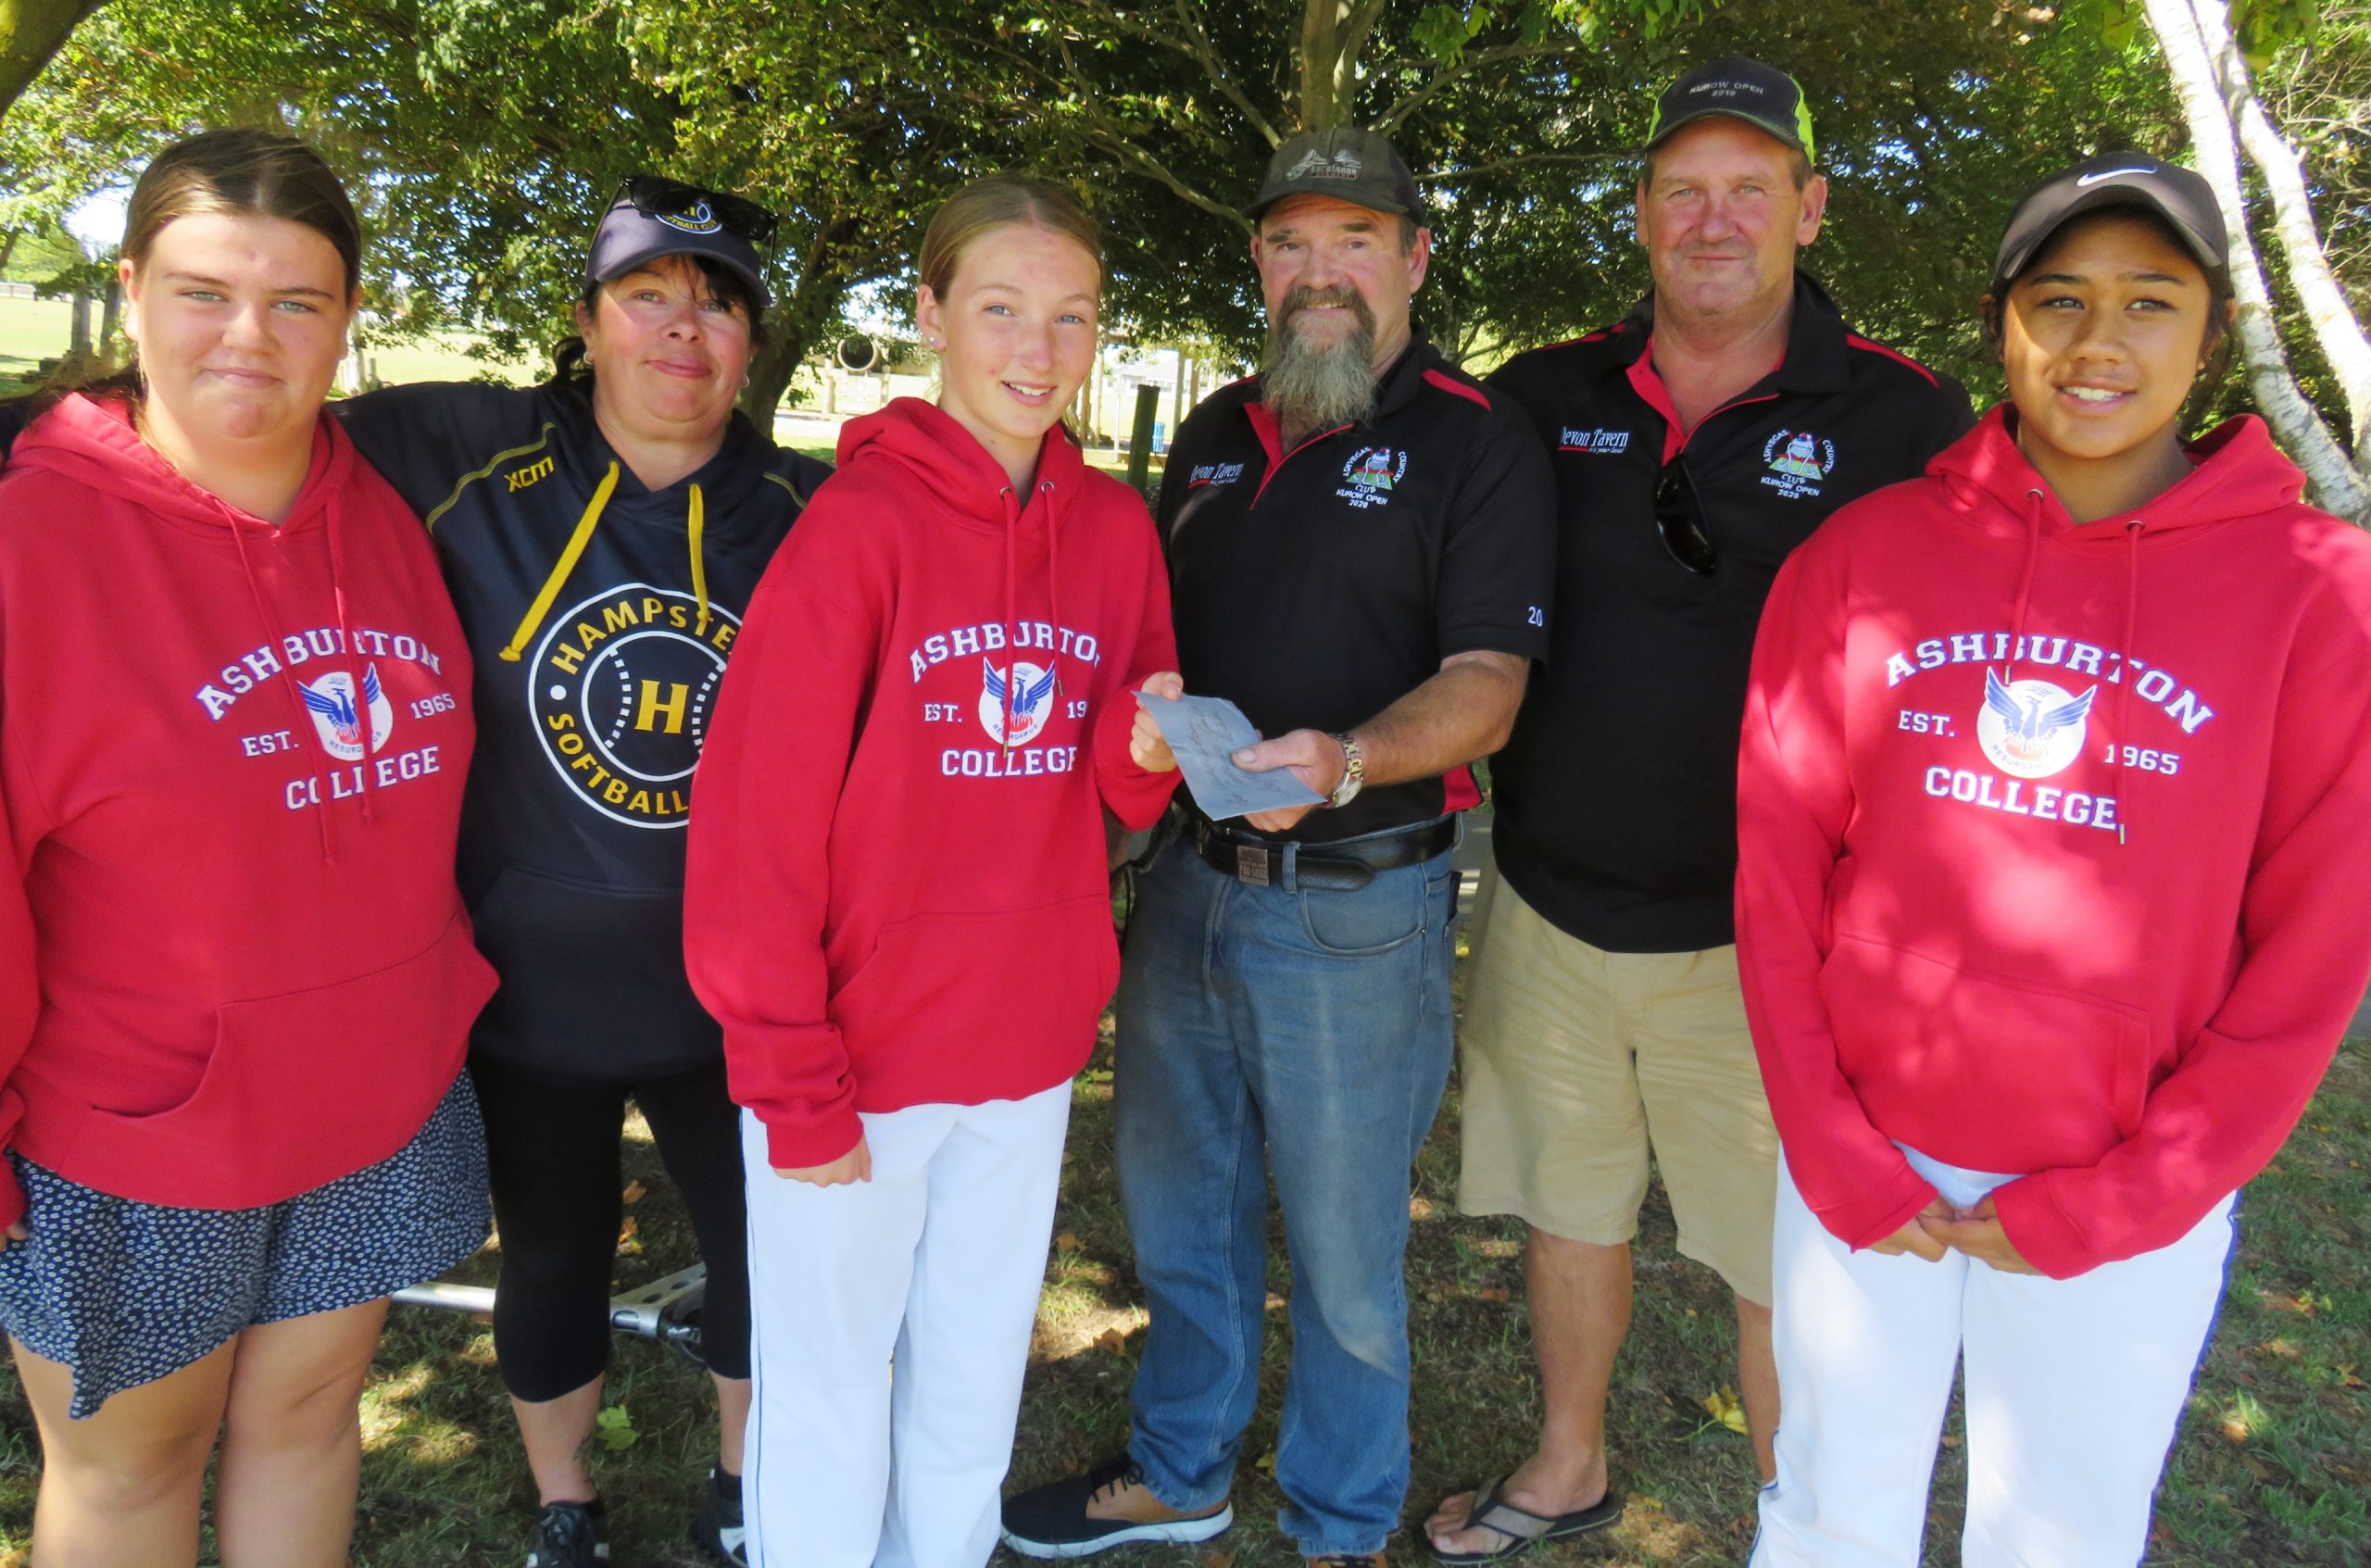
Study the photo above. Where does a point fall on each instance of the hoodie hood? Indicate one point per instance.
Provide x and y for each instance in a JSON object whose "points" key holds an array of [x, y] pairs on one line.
{"points": [[2236, 472], [968, 485], [93, 442]]}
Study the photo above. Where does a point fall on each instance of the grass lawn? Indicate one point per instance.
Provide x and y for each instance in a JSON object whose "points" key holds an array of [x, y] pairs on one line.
{"points": [[2272, 1467]]}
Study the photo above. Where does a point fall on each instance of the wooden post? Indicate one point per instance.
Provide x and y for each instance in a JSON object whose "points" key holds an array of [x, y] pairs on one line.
{"points": [[1140, 437]]}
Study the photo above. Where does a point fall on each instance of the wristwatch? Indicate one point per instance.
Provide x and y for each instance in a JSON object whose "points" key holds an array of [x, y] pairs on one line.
{"points": [[1354, 770]]}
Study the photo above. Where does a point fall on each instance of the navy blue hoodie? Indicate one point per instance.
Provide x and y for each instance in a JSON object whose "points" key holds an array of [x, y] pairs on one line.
{"points": [[602, 616]]}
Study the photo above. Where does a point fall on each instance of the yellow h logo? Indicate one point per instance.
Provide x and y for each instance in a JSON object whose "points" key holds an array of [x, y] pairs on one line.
{"points": [[647, 712]]}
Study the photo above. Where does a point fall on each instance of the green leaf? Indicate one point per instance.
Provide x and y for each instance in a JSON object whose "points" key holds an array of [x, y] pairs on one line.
{"points": [[615, 1428]]}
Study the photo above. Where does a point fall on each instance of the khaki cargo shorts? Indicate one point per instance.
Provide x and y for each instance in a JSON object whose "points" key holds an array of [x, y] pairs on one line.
{"points": [[1578, 1062]]}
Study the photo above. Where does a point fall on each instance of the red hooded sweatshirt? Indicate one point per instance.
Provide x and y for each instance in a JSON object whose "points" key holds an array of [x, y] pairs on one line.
{"points": [[897, 892], [2054, 854], [233, 963]]}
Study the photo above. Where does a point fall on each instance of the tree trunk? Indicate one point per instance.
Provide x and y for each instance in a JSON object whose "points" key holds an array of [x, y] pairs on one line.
{"points": [[1332, 34], [30, 31], [2182, 37]]}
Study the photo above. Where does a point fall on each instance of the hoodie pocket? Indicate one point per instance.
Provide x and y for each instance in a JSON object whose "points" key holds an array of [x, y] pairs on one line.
{"points": [[307, 1086], [1031, 974], [1983, 1070], [592, 979]]}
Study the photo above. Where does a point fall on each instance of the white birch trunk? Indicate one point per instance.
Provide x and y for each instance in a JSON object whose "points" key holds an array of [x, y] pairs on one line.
{"points": [[2186, 35]]}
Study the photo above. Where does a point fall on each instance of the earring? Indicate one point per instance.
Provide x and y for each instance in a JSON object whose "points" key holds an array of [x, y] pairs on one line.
{"points": [[744, 380]]}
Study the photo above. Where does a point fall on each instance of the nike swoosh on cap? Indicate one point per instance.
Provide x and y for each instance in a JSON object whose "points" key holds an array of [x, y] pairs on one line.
{"points": [[2110, 174]]}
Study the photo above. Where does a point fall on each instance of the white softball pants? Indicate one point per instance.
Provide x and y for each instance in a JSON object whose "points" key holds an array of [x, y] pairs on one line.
{"points": [[934, 1264], [2072, 1391]]}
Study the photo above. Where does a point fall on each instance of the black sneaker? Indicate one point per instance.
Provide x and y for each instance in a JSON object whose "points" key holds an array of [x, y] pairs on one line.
{"points": [[1051, 1521], [716, 1528], [567, 1535]]}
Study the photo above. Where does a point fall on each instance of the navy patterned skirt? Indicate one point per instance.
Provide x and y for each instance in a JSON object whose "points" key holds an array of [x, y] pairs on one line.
{"points": [[121, 1293]]}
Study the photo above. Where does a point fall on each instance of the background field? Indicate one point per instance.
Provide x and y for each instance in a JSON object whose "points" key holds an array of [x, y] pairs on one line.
{"points": [[2272, 1467]]}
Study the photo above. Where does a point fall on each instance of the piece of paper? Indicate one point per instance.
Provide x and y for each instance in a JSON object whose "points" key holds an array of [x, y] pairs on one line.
{"points": [[1205, 733]]}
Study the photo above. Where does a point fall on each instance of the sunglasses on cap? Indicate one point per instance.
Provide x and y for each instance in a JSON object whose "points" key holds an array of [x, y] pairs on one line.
{"points": [[673, 201], [1679, 517]]}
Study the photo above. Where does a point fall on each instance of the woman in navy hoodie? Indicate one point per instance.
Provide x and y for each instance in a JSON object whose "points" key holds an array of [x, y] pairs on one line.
{"points": [[235, 975], [897, 902], [602, 534], [2053, 900]]}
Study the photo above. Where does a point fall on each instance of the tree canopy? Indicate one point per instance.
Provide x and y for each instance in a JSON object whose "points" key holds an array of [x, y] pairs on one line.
{"points": [[482, 135]]}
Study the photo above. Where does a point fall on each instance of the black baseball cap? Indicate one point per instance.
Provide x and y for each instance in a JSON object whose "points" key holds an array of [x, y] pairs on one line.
{"points": [[1763, 96], [2179, 197], [653, 217], [1349, 163]]}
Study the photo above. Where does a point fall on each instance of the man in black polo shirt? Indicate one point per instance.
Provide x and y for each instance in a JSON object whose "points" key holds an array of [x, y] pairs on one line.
{"points": [[1695, 444], [1361, 544]]}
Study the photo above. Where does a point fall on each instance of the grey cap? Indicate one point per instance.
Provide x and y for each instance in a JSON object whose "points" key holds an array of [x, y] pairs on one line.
{"points": [[1349, 163], [2181, 197]]}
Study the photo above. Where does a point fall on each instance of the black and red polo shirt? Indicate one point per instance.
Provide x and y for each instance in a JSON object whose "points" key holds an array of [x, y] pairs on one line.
{"points": [[1616, 798], [1316, 587]]}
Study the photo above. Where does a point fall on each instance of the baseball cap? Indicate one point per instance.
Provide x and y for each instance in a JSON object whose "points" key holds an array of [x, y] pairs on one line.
{"points": [[653, 217], [1347, 162], [2179, 197], [1763, 96]]}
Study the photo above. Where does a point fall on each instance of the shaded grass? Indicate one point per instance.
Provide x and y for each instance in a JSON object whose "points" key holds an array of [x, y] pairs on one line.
{"points": [[2271, 1467]]}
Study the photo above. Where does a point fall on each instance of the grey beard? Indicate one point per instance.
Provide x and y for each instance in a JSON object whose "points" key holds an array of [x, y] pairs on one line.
{"points": [[1313, 388]]}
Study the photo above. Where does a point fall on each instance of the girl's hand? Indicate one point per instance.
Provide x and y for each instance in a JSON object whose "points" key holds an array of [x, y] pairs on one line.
{"points": [[16, 1232], [1914, 1237], [1978, 1233], [856, 1165], [1145, 748]]}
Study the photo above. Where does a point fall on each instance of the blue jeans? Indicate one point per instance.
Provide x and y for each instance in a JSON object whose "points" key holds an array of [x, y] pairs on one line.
{"points": [[1305, 1033]]}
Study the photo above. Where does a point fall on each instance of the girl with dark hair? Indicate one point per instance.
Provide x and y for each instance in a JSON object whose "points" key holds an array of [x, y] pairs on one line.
{"points": [[236, 977], [2053, 903], [602, 534], [898, 901]]}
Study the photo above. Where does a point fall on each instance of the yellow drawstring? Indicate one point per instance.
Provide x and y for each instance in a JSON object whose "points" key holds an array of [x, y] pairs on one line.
{"points": [[567, 563], [699, 567]]}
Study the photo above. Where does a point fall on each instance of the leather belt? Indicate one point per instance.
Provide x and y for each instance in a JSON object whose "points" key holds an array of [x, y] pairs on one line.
{"points": [[1348, 863]]}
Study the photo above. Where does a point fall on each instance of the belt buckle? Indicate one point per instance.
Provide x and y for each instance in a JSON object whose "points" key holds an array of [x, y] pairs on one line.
{"points": [[1251, 864]]}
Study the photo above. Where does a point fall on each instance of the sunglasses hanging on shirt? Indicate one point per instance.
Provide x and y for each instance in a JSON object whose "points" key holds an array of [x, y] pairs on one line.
{"points": [[1679, 517]]}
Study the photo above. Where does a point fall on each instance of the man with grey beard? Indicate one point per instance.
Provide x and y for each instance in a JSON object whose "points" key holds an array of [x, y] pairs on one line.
{"points": [[1360, 542]]}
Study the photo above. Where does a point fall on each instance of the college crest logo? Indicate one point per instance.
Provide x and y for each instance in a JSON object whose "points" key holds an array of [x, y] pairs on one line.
{"points": [[336, 719], [620, 691], [696, 219], [2031, 729], [1798, 461], [1031, 693]]}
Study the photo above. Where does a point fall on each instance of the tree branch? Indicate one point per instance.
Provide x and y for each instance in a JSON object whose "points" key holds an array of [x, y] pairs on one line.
{"points": [[1115, 138], [1451, 176], [2182, 37], [1480, 59], [1189, 16], [2335, 328]]}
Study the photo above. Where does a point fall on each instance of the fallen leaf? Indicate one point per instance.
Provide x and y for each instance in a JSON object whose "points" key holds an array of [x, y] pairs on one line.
{"points": [[1637, 1500], [1267, 1465], [615, 1428], [1066, 1242], [1725, 1408], [1114, 1340], [2235, 1427], [1953, 1439], [626, 1232], [1420, 1207], [1218, 1560], [636, 1192], [1492, 1292], [2256, 1467]]}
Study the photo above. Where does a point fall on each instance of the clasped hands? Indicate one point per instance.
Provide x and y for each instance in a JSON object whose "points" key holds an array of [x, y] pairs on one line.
{"points": [[1941, 1226]]}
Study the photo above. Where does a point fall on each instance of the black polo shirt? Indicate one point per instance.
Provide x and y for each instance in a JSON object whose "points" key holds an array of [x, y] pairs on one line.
{"points": [[1616, 798], [1316, 587]]}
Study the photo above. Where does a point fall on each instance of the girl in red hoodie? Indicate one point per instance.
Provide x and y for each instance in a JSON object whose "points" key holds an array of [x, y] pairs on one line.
{"points": [[897, 898], [236, 977], [2054, 900]]}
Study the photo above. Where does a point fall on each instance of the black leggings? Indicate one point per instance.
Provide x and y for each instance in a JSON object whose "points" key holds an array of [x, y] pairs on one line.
{"points": [[552, 1153]]}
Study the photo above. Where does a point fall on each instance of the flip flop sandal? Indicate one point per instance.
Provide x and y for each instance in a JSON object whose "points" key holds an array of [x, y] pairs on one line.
{"points": [[1523, 1528]]}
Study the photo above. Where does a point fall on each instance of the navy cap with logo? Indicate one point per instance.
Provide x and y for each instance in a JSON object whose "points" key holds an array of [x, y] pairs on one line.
{"points": [[1349, 163], [653, 217], [1743, 88], [2181, 198]]}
